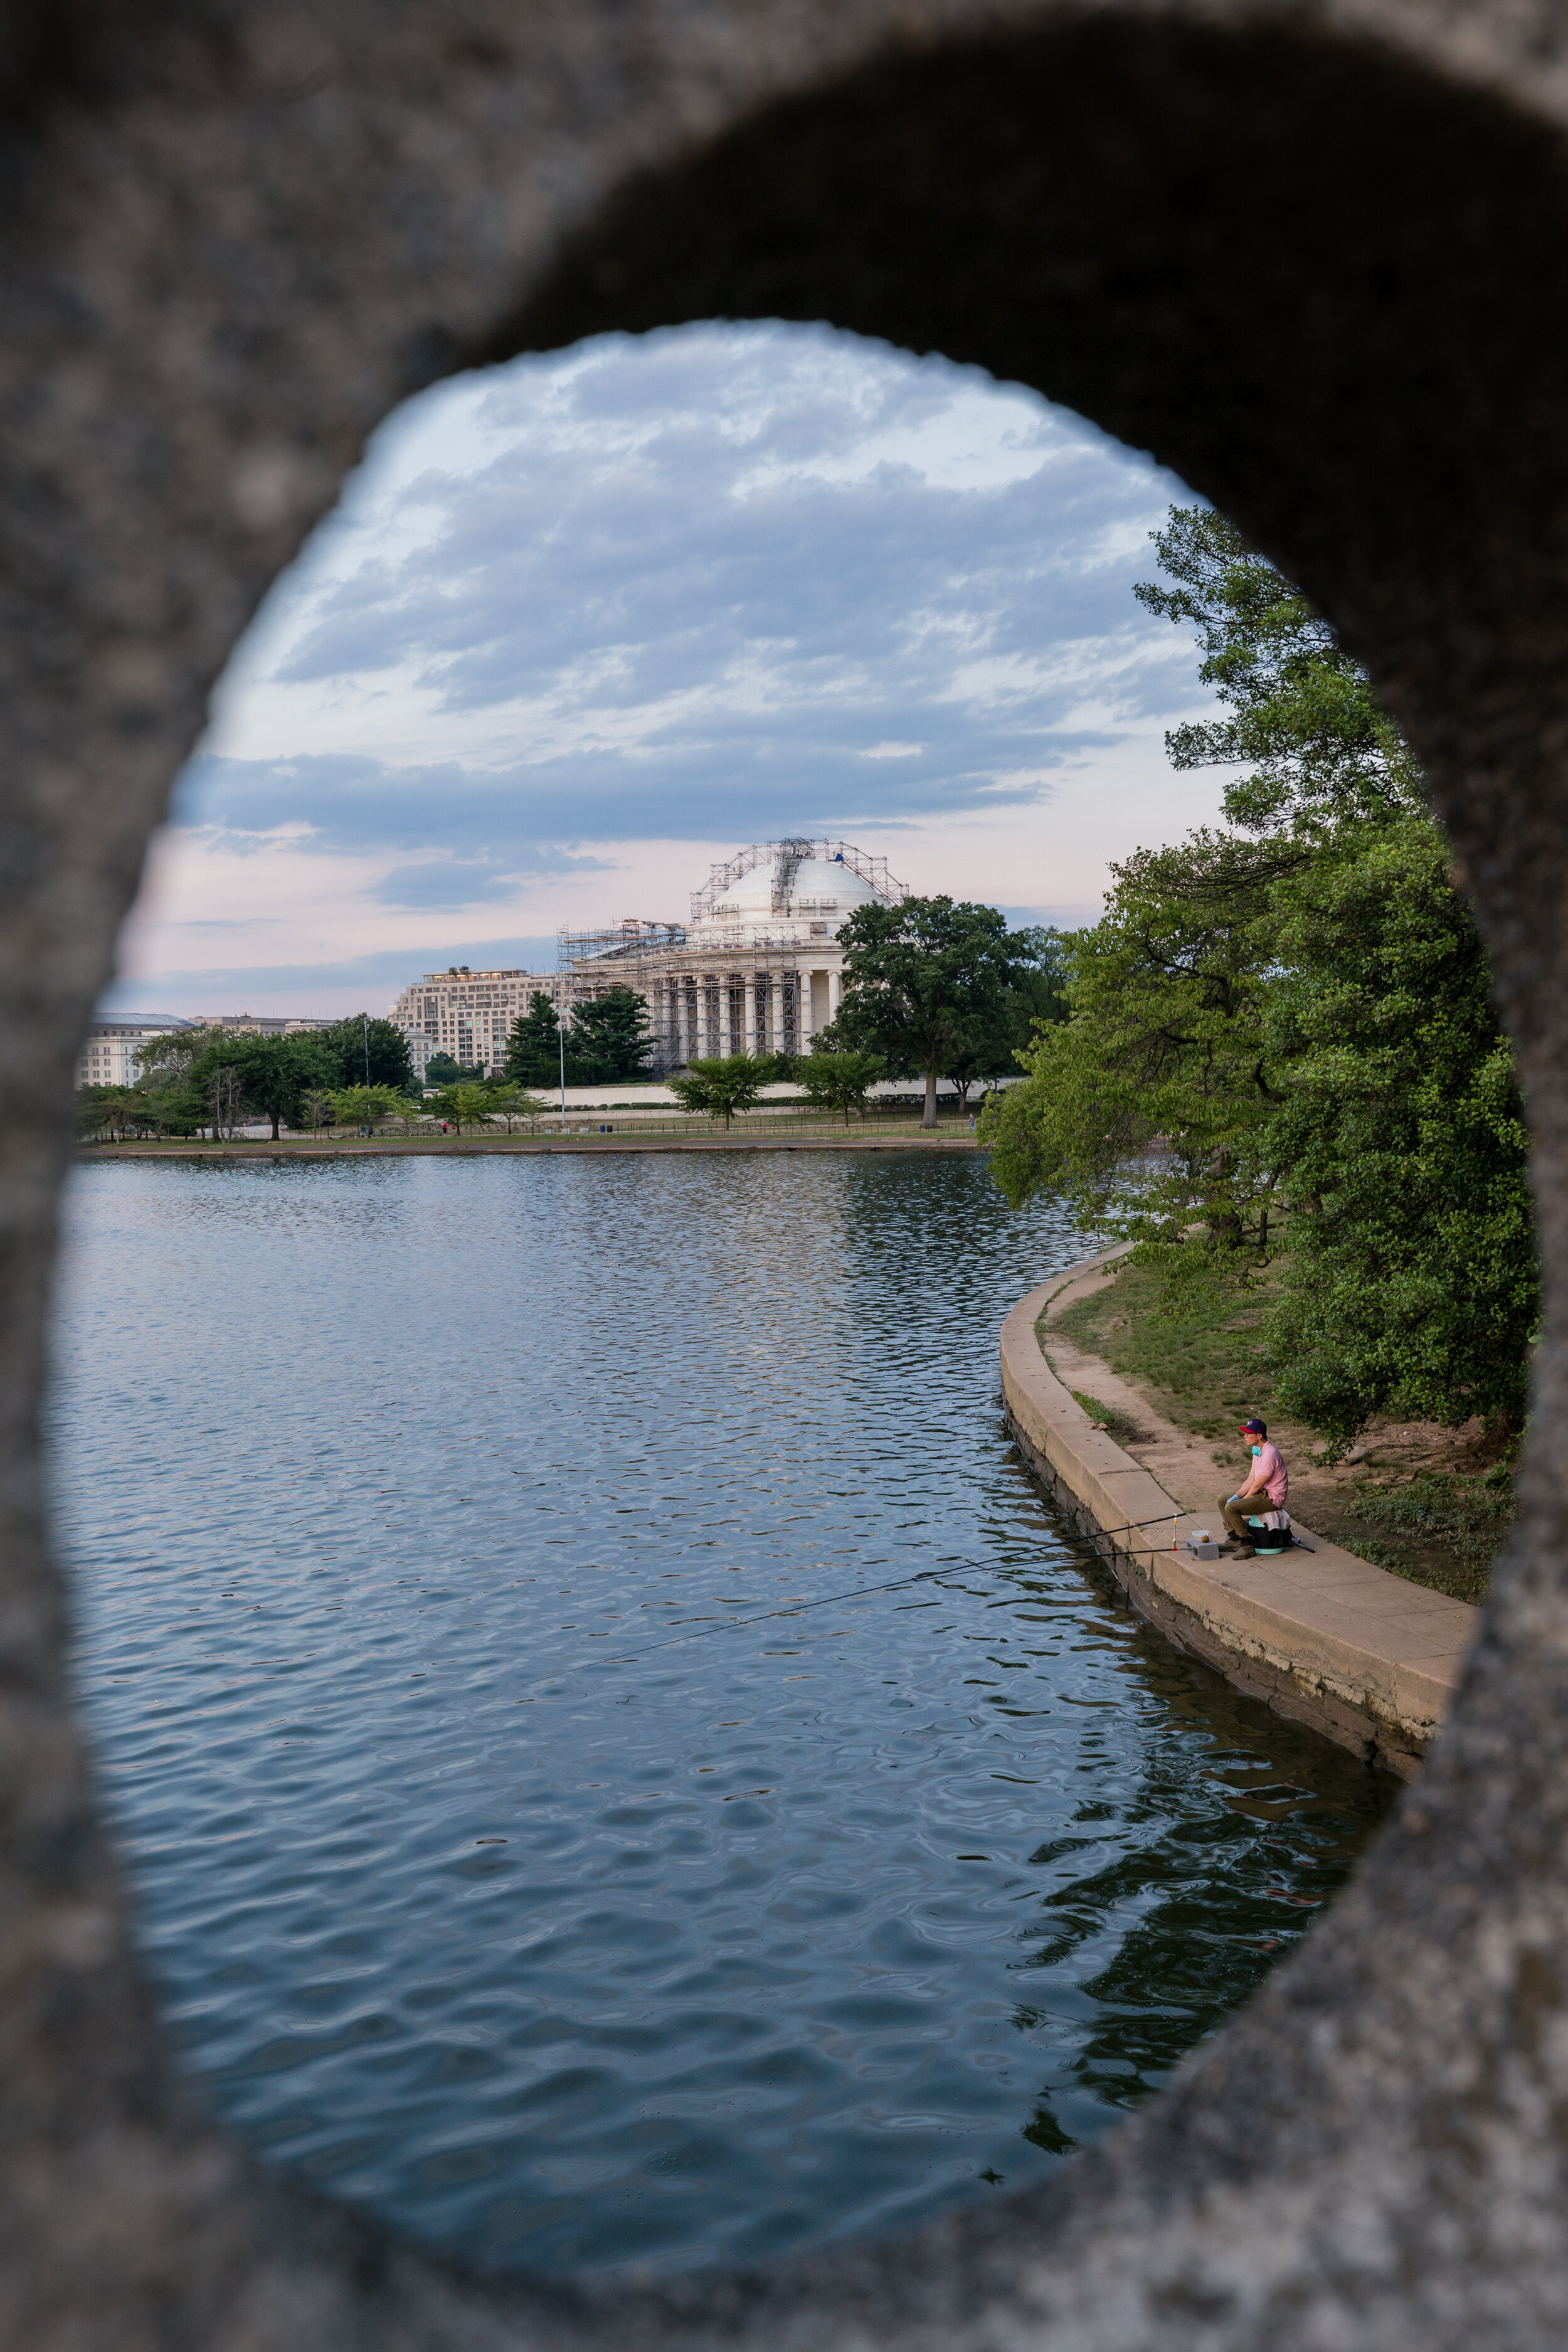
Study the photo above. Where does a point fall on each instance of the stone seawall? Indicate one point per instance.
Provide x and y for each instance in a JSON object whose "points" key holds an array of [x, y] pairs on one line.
{"points": [[1365, 1657]]}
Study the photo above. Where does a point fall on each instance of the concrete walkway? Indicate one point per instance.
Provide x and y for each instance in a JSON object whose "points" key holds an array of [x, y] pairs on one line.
{"points": [[1368, 1658]]}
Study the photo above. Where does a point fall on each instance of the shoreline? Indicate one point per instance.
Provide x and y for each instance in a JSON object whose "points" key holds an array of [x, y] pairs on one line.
{"points": [[403, 1148], [1365, 1658]]}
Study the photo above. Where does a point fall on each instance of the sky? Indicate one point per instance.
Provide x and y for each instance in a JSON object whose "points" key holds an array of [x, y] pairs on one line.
{"points": [[582, 624]]}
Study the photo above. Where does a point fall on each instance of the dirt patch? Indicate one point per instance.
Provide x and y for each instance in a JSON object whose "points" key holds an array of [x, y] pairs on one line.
{"points": [[1427, 1502]]}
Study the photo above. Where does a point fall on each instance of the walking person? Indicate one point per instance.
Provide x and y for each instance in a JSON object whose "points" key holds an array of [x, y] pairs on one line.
{"points": [[1262, 1497]]}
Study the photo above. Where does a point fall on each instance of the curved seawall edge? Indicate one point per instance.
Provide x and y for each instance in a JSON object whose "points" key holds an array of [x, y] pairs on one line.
{"points": [[1363, 1657]]}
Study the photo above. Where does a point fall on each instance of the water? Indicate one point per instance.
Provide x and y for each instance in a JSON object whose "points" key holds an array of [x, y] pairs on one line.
{"points": [[544, 1832]]}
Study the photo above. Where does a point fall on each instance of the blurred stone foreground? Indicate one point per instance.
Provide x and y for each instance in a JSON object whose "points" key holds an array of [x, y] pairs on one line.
{"points": [[1315, 257]]}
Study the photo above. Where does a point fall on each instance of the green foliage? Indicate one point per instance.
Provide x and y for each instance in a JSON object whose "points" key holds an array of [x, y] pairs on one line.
{"points": [[608, 1038], [932, 988], [1411, 1284], [202, 1077], [1041, 954], [1200, 1350], [343, 1049], [724, 1084], [117, 1111], [365, 1106], [445, 1070], [1166, 1041], [837, 1078], [1294, 1013], [510, 1103], [532, 1047], [466, 1106], [1302, 711]]}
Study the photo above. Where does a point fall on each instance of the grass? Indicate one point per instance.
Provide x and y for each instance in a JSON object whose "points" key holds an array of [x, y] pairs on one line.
{"points": [[1105, 1416], [1200, 1359], [1456, 1523]]}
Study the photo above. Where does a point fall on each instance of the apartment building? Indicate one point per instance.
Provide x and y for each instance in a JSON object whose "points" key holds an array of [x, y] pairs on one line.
{"points": [[465, 1014]]}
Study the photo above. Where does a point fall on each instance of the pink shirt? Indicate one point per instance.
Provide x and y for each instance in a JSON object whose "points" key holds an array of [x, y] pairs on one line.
{"points": [[1269, 1464]]}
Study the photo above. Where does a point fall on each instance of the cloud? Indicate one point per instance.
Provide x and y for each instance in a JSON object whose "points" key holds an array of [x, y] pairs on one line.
{"points": [[708, 586]]}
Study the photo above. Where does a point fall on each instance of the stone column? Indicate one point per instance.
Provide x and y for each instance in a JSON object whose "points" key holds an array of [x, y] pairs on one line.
{"points": [[750, 1028], [726, 1026], [775, 1013], [803, 1029], [834, 994]]}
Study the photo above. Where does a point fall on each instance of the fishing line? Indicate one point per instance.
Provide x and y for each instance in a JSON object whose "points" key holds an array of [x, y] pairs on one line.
{"points": [[798, 1609]]}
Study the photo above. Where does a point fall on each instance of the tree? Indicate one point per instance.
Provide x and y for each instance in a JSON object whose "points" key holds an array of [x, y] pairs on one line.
{"points": [[533, 1045], [276, 1072], [346, 1047], [722, 1085], [1411, 1283], [1296, 1012], [609, 1038], [1302, 711], [363, 1105], [224, 1089], [930, 988], [1166, 1040], [511, 1102], [837, 1080], [1040, 953], [445, 1070], [111, 1110], [464, 1105]]}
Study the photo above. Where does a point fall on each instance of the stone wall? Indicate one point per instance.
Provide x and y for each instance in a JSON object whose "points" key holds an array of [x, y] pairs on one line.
{"points": [[1313, 257]]}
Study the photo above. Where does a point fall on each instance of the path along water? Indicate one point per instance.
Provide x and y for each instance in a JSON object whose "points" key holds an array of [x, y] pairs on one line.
{"points": [[517, 1852]]}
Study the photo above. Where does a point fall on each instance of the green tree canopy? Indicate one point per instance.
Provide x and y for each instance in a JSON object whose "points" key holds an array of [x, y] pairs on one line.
{"points": [[465, 1105], [724, 1083], [533, 1045], [838, 1079], [1294, 1012], [931, 988], [1301, 711], [364, 1106], [445, 1070], [344, 1045], [607, 1039]]}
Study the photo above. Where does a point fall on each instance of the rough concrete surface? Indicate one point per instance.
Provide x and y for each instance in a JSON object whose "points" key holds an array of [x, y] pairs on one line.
{"points": [[1314, 255], [1373, 1662]]}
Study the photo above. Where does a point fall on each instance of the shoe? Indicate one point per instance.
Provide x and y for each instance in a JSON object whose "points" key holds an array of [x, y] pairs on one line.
{"points": [[1244, 1552]]}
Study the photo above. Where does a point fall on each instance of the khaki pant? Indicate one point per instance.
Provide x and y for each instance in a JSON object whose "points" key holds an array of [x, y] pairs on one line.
{"points": [[1234, 1515]]}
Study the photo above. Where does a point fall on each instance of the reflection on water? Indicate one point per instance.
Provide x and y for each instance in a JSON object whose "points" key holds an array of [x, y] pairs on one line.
{"points": [[518, 1852]]}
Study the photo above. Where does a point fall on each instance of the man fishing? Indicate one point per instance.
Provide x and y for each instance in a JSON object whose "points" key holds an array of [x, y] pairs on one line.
{"points": [[1263, 1495]]}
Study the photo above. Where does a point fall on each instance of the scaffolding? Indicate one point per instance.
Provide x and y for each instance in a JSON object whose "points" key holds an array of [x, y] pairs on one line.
{"points": [[715, 988], [787, 857]]}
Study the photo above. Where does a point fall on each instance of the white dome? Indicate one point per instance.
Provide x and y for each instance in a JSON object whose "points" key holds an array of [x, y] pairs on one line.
{"points": [[819, 887]]}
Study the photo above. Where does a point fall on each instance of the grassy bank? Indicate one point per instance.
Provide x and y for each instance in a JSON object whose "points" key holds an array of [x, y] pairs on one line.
{"points": [[1430, 1504]]}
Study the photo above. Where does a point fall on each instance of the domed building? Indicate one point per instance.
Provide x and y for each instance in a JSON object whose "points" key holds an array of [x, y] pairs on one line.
{"points": [[758, 968]]}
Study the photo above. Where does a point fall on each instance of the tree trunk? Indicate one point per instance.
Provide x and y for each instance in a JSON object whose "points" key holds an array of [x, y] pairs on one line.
{"points": [[929, 1119], [275, 1126]]}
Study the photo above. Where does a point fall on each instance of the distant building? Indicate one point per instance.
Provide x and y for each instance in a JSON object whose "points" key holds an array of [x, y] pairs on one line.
{"points": [[109, 1056], [465, 1014], [263, 1024], [757, 970]]}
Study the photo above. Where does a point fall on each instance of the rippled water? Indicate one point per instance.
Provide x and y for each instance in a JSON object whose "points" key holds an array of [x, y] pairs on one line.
{"points": [[545, 1831]]}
